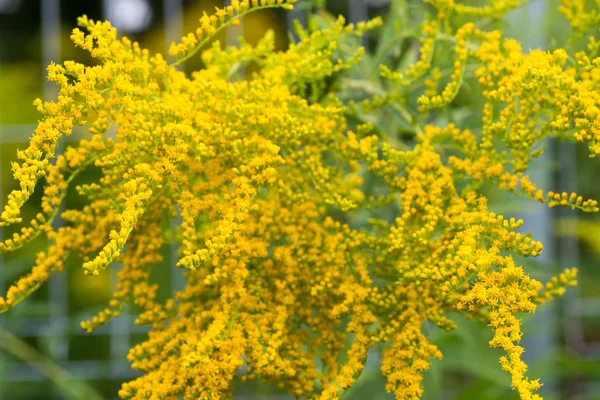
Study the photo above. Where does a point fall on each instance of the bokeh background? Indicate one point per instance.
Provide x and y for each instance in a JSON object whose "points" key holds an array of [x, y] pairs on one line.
{"points": [[44, 354]]}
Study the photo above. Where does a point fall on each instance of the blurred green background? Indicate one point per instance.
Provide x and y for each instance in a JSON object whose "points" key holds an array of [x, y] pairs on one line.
{"points": [[45, 355]]}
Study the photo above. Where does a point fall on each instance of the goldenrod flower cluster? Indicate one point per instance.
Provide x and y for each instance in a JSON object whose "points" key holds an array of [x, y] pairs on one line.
{"points": [[280, 285], [581, 18]]}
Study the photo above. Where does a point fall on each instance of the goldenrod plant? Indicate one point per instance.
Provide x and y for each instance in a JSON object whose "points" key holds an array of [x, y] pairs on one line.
{"points": [[266, 176]]}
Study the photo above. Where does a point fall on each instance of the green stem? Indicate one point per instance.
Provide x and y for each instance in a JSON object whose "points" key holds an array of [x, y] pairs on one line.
{"points": [[69, 387]]}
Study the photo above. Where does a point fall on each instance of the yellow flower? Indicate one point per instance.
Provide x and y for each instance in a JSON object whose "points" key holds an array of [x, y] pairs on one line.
{"points": [[267, 180]]}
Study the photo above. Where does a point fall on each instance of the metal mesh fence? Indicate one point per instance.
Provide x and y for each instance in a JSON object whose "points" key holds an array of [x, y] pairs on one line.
{"points": [[55, 328]]}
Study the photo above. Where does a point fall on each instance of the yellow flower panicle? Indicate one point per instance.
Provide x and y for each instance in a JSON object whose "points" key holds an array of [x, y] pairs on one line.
{"points": [[505, 293], [430, 33], [266, 177], [428, 102], [137, 191], [223, 17], [581, 18], [495, 8]]}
